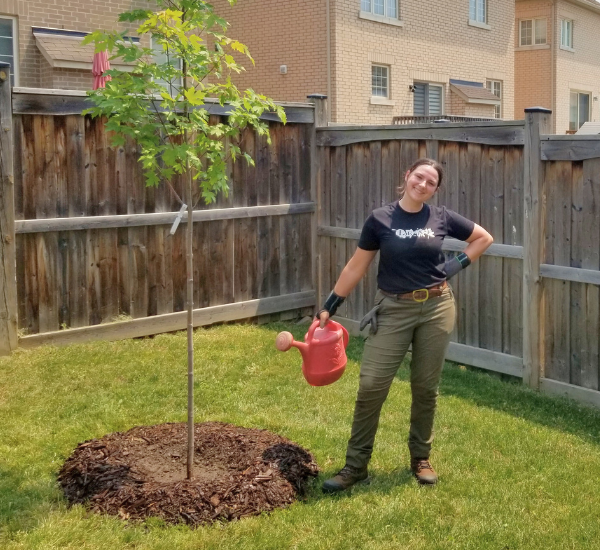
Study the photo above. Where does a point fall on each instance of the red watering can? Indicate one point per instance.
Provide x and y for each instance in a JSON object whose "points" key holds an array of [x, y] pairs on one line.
{"points": [[323, 352]]}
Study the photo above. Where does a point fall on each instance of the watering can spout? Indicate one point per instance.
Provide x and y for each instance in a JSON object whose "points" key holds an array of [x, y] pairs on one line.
{"points": [[285, 341]]}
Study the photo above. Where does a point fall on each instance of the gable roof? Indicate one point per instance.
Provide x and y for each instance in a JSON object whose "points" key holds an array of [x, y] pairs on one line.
{"points": [[63, 49], [474, 94]]}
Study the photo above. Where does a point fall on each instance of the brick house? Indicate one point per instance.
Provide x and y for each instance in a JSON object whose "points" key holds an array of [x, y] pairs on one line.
{"points": [[375, 59], [557, 60], [41, 39]]}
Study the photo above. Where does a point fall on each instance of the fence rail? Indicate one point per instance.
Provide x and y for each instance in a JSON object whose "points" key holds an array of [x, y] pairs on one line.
{"points": [[88, 243]]}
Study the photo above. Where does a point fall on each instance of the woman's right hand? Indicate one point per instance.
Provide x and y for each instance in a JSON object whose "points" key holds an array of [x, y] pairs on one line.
{"points": [[323, 318]]}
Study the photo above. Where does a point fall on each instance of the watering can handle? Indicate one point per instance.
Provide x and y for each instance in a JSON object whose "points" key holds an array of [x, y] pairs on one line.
{"points": [[346, 336], [311, 330]]}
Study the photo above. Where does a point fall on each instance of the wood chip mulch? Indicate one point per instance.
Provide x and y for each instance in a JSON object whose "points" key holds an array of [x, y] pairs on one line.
{"points": [[142, 473]]}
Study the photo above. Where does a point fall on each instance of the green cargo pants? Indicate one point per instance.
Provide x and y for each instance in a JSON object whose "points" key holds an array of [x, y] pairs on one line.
{"points": [[427, 326]]}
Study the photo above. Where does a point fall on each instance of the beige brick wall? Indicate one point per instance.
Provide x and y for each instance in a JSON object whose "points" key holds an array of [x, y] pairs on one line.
{"points": [[546, 76], [78, 15], [280, 33], [435, 44], [457, 106], [437, 48], [479, 110], [578, 70]]}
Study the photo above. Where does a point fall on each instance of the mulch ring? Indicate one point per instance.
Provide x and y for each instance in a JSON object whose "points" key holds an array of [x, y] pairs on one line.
{"points": [[141, 473]]}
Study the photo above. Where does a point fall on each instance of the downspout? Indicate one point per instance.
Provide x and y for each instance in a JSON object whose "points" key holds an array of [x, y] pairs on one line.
{"points": [[553, 62], [328, 23]]}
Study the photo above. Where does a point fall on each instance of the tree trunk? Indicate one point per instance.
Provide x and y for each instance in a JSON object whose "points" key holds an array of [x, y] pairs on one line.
{"points": [[190, 324]]}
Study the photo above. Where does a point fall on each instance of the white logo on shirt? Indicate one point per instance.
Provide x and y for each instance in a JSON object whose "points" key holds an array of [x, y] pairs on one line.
{"points": [[410, 233]]}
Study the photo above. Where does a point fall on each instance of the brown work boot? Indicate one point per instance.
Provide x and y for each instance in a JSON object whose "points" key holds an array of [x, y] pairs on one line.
{"points": [[423, 471], [345, 478]]}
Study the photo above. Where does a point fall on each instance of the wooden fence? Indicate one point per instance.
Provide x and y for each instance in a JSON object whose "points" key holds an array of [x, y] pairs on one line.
{"points": [[536, 193], [86, 243], [93, 243]]}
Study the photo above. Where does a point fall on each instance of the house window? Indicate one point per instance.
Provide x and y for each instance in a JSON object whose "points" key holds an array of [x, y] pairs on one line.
{"points": [[566, 33], [8, 46], [384, 8], [579, 110], [532, 32], [380, 81], [478, 10], [161, 57], [495, 86], [428, 99]]}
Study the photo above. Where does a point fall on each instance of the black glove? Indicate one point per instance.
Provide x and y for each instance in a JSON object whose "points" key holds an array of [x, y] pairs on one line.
{"points": [[370, 317], [456, 264], [331, 304]]}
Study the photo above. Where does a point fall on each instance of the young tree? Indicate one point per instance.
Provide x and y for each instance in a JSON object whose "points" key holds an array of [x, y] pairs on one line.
{"points": [[163, 106]]}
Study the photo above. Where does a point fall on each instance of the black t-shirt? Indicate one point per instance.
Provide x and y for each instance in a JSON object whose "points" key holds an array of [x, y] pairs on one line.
{"points": [[410, 244]]}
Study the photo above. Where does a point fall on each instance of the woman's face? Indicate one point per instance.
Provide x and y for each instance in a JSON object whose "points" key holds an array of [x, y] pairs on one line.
{"points": [[421, 183]]}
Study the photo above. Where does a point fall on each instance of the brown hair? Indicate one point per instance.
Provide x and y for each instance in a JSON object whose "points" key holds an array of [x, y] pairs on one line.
{"points": [[424, 162]]}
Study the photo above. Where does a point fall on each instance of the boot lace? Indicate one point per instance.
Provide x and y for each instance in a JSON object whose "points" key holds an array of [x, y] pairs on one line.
{"points": [[423, 464], [347, 471]]}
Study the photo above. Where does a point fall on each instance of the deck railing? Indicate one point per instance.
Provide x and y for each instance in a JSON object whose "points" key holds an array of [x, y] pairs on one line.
{"points": [[425, 119]]}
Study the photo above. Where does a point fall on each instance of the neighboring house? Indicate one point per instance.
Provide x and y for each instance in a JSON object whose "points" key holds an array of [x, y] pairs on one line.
{"points": [[41, 39], [557, 60], [377, 59]]}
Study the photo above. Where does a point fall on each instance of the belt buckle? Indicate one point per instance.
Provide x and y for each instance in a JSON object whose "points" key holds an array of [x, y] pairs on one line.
{"points": [[425, 290]]}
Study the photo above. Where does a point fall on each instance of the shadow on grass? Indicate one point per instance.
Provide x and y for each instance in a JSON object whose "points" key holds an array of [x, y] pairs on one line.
{"points": [[380, 481], [486, 389]]}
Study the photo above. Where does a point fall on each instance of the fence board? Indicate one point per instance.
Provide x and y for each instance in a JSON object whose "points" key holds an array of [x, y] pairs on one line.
{"points": [[590, 374], [262, 224], [470, 206], [274, 261], [556, 294], [512, 331], [585, 253], [324, 218], [492, 197], [292, 177], [338, 216], [357, 180], [372, 200]]}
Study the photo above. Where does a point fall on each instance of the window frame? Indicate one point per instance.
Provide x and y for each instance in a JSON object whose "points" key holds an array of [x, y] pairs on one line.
{"points": [[442, 97], [562, 34], [590, 107], [178, 86], [15, 44], [533, 37], [497, 108], [370, 13], [387, 77], [474, 10]]}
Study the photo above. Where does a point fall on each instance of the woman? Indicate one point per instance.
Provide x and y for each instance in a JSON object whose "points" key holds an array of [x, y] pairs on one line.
{"points": [[413, 305]]}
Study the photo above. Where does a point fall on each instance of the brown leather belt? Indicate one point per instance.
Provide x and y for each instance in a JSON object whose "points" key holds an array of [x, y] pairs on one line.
{"points": [[420, 295]]}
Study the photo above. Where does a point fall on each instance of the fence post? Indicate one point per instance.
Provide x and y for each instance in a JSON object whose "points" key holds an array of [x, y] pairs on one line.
{"points": [[320, 103], [8, 270], [537, 122]]}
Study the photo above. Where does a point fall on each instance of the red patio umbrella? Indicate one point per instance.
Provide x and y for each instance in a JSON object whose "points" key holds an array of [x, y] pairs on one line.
{"points": [[99, 66]]}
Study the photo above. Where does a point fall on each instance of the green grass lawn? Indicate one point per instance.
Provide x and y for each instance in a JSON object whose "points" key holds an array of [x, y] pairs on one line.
{"points": [[517, 469]]}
